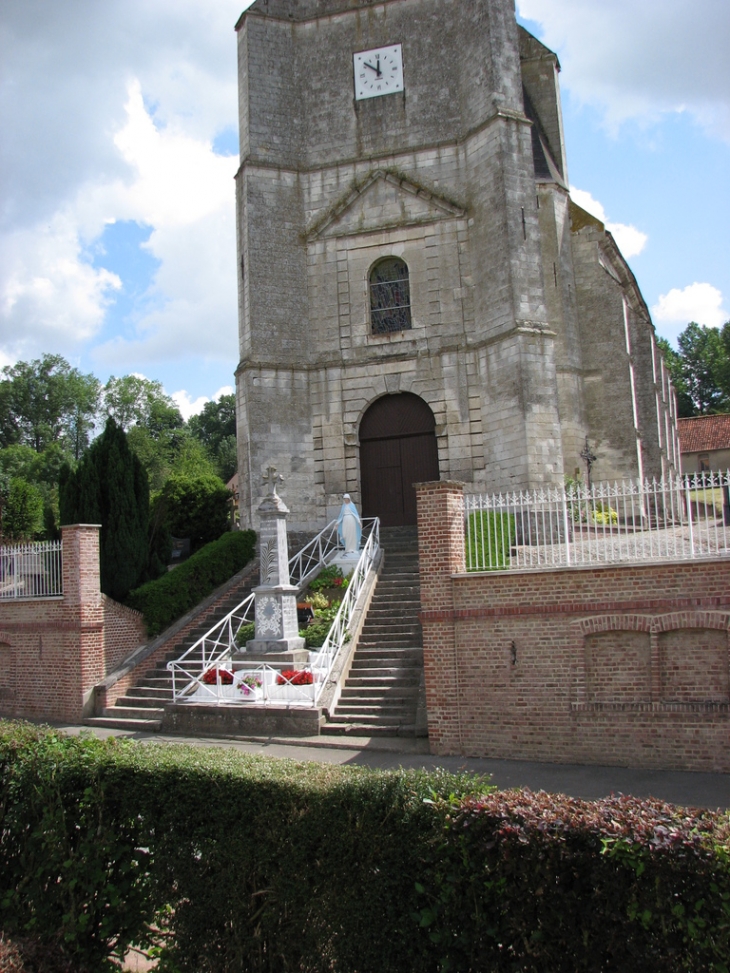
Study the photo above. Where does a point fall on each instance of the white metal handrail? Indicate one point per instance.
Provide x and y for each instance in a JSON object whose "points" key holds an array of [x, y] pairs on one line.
{"points": [[323, 659], [681, 517], [32, 570], [212, 651], [313, 555]]}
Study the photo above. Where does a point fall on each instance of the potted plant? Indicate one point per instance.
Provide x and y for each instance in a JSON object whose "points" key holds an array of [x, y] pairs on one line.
{"points": [[249, 686]]}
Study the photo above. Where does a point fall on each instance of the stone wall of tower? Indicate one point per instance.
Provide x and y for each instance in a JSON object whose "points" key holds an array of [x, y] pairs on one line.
{"points": [[481, 351], [528, 333]]}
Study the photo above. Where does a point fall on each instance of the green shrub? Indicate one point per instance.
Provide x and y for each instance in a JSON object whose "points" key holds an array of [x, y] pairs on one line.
{"points": [[315, 633], [537, 882], [489, 537], [74, 858], [245, 863], [604, 514], [331, 577], [169, 597], [197, 507], [245, 634]]}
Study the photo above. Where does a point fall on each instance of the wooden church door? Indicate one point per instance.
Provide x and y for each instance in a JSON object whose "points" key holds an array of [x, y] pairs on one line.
{"points": [[397, 449]]}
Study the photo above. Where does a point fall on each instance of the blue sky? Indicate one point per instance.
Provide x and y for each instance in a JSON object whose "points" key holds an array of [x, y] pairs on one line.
{"points": [[117, 236]]}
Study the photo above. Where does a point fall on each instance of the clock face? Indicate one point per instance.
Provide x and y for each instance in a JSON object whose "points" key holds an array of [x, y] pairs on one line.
{"points": [[378, 72]]}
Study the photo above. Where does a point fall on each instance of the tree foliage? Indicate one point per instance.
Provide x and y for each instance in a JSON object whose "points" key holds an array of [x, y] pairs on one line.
{"points": [[215, 426], [109, 487], [197, 507], [21, 510], [700, 369], [50, 412], [46, 401], [134, 400]]}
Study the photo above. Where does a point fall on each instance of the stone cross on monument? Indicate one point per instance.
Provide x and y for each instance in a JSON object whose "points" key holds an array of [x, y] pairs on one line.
{"points": [[277, 638]]}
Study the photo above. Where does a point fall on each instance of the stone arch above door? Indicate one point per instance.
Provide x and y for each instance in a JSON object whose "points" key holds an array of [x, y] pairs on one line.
{"points": [[397, 449]]}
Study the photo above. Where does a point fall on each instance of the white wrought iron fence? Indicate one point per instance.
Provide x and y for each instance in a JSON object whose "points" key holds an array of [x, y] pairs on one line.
{"points": [[682, 517], [32, 570], [204, 672]]}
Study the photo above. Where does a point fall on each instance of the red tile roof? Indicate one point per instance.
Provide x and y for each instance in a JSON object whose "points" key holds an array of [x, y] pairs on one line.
{"points": [[704, 433]]}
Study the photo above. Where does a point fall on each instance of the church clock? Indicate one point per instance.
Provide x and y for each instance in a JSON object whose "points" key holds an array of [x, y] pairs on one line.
{"points": [[378, 72]]}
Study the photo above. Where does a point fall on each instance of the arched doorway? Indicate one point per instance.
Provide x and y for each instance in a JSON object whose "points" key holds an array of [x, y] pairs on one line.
{"points": [[397, 449]]}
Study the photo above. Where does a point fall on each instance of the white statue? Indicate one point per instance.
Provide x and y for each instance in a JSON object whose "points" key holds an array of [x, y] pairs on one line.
{"points": [[349, 526]]}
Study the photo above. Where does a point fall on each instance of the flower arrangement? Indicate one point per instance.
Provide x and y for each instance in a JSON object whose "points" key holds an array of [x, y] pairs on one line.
{"points": [[330, 577], [294, 677], [249, 683], [212, 677]]}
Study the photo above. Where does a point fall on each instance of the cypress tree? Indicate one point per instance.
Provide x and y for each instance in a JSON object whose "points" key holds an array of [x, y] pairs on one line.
{"points": [[109, 487]]}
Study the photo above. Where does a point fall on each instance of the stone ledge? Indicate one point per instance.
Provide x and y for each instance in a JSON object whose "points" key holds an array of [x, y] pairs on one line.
{"points": [[248, 718]]}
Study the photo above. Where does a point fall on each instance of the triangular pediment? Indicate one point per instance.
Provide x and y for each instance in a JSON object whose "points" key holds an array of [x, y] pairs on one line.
{"points": [[382, 201]]}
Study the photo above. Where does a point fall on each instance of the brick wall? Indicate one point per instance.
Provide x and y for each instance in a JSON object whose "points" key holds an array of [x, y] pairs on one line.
{"points": [[54, 650], [600, 665]]}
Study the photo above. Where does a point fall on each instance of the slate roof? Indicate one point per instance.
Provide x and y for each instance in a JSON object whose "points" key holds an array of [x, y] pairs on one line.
{"points": [[704, 433]]}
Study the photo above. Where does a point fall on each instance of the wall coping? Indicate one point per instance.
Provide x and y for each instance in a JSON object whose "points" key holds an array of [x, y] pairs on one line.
{"points": [[563, 569]]}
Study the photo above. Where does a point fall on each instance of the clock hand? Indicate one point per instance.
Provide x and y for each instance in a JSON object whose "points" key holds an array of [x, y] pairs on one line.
{"points": [[377, 70]]}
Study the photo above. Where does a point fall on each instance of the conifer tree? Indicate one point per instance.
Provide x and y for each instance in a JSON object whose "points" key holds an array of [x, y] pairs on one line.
{"points": [[109, 487]]}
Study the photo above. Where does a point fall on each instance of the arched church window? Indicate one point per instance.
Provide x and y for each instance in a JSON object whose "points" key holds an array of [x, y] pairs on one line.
{"points": [[390, 296]]}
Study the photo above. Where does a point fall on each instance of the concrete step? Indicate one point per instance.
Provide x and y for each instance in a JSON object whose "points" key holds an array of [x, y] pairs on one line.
{"points": [[384, 668], [143, 702], [123, 711], [394, 637], [382, 682], [156, 681], [148, 726], [368, 730], [384, 644], [150, 692], [391, 711], [401, 694], [384, 672]]}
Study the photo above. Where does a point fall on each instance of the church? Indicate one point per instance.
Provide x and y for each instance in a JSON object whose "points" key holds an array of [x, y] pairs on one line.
{"points": [[419, 297]]}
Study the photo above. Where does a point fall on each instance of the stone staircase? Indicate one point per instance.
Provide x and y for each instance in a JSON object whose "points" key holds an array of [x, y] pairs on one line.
{"points": [[380, 697], [144, 704]]}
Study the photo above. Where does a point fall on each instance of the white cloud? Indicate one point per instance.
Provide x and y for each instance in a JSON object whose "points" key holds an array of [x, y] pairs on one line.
{"points": [[189, 407], [630, 240], [50, 296], [701, 303], [109, 113], [178, 180], [639, 60]]}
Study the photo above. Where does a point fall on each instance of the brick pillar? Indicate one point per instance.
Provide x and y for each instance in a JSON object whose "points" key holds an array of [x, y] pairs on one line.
{"points": [[83, 616], [441, 555]]}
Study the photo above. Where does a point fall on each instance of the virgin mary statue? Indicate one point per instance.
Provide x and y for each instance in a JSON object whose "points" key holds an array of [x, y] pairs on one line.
{"points": [[349, 526]]}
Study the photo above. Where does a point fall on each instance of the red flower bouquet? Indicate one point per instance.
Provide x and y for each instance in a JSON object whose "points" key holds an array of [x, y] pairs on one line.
{"points": [[211, 677], [294, 677]]}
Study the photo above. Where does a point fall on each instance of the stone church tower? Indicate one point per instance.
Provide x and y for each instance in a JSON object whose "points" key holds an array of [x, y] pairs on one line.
{"points": [[419, 297]]}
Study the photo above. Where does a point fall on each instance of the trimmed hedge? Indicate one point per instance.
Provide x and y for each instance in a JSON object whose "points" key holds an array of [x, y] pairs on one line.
{"points": [[537, 882], [234, 863], [168, 598]]}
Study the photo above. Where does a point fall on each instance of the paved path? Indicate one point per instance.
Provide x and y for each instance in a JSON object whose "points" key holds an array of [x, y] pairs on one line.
{"points": [[678, 787]]}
